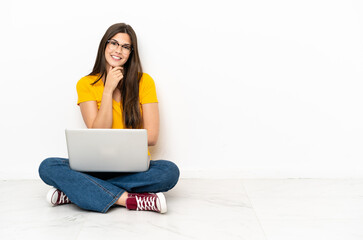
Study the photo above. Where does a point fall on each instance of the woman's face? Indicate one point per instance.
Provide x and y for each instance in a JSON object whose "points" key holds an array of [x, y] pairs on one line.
{"points": [[116, 52]]}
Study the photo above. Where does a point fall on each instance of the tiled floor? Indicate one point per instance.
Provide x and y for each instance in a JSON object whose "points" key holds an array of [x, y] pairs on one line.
{"points": [[197, 209]]}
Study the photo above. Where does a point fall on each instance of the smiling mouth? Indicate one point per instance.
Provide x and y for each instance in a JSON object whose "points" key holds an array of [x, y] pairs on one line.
{"points": [[116, 58]]}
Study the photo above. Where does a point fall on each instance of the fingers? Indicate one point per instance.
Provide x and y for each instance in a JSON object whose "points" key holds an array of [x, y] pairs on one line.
{"points": [[118, 77], [114, 69], [114, 76], [115, 73]]}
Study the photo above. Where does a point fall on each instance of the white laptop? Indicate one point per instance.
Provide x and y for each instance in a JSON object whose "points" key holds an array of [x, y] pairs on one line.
{"points": [[108, 150]]}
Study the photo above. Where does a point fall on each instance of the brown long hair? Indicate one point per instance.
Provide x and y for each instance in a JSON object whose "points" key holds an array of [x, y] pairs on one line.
{"points": [[129, 85]]}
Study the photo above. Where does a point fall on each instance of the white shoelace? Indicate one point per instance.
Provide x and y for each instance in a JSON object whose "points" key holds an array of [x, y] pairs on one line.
{"points": [[147, 203], [63, 198]]}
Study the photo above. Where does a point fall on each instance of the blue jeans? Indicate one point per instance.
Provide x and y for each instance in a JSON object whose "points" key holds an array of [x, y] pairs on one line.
{"points": [[98, 191]]}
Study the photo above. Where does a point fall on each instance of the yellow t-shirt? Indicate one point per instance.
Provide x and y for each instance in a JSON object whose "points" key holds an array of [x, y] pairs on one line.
{"points": [[88, 92]]}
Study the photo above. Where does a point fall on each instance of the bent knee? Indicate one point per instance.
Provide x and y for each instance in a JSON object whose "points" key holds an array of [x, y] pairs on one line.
{"points": [[48, 164], [170, 173]]}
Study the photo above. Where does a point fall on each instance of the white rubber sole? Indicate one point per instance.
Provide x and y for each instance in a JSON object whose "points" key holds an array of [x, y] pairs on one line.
{"points": [[163, 207], [50, 196]]}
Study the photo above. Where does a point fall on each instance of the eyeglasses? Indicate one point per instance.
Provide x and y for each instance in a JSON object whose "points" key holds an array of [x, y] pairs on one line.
{"points": [[113, 44]]}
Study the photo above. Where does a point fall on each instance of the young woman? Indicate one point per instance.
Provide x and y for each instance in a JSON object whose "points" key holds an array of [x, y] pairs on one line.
{"points": [[116, 94]]}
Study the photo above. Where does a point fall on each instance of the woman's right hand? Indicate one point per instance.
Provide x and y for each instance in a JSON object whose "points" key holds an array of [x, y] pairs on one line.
{"points": [[114, 76]]}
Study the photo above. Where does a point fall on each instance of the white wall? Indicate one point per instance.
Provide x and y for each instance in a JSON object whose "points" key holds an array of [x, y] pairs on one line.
{"points": [[246, 88]]}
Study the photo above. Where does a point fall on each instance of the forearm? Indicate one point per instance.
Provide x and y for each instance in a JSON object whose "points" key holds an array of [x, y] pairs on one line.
{"points": [[151, 122], [152, 136], [104, 114]]}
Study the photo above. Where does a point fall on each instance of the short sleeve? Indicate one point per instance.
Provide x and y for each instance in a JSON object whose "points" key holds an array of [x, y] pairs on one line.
{"points": [[147, 91], [84, 91]]}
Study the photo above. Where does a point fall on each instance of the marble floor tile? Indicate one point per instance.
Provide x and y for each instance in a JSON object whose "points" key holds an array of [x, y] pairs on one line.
{"points": [[24, 213], [308, 208], [313, 229], [197, 209]]}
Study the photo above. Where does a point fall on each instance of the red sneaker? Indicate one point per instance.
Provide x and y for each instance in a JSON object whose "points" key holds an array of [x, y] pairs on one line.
{"points": [[147, 201], [56, 197]]}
